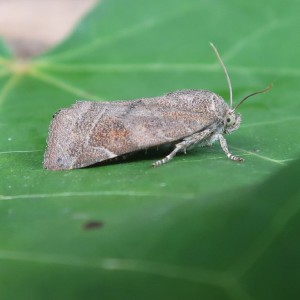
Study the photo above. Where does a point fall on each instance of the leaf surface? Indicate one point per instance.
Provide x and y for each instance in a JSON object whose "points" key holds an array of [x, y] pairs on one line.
{"points": [[199, 227]]}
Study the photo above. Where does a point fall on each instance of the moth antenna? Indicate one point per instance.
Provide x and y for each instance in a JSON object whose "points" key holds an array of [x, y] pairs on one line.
{"points": [[225, 70], [253, 94]]}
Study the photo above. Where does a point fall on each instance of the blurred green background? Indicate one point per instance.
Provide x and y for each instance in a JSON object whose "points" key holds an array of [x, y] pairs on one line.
{"points": [[200, 227]]}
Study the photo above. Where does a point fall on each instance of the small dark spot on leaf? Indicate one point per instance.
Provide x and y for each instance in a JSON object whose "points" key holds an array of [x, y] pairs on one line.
{"points": [[93, 225]]}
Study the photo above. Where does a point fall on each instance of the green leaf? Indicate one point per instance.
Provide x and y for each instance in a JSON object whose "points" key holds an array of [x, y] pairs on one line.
{"points": [[200, 226], [5, 51]]}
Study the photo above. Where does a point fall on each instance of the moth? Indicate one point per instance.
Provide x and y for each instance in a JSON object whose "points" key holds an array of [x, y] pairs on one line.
{"points": [[90, 132]]}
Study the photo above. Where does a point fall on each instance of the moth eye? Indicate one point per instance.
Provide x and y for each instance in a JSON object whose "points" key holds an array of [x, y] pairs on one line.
{"points": [[230, 120]]}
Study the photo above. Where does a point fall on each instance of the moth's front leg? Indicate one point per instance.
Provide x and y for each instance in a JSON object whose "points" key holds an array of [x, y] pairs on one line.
{"points": [[186, 143], [227, 152]]}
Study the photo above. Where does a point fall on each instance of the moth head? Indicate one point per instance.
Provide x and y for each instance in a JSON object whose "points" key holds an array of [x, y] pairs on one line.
{"points": [[232, 121]]}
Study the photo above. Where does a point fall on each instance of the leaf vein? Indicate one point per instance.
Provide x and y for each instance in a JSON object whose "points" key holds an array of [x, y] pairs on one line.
{"points": [[10, 84], [58, 83], [217, 278], [94, 194], [165, 67]]}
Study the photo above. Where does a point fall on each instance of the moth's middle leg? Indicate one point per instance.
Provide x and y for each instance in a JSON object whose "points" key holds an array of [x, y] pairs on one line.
{"points": [[182, 146]]}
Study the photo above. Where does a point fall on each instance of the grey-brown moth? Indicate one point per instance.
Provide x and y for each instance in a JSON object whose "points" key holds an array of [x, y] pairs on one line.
{"points": [[90, 132]]}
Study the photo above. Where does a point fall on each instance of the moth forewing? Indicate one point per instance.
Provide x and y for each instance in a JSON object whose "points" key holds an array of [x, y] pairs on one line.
{"points": [[91, 132]]}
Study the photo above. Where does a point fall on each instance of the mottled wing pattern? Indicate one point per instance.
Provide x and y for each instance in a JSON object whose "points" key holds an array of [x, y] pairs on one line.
{"points": [[91, 132]]}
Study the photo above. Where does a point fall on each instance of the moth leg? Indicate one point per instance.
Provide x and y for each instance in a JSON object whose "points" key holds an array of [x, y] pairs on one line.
{"points": [[182, 146], [179, 147], [227, 152]]}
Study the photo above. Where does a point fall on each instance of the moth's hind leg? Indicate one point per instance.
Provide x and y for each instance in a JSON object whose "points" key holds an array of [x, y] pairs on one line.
{"points": [[182, 146], [178, 147]]}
